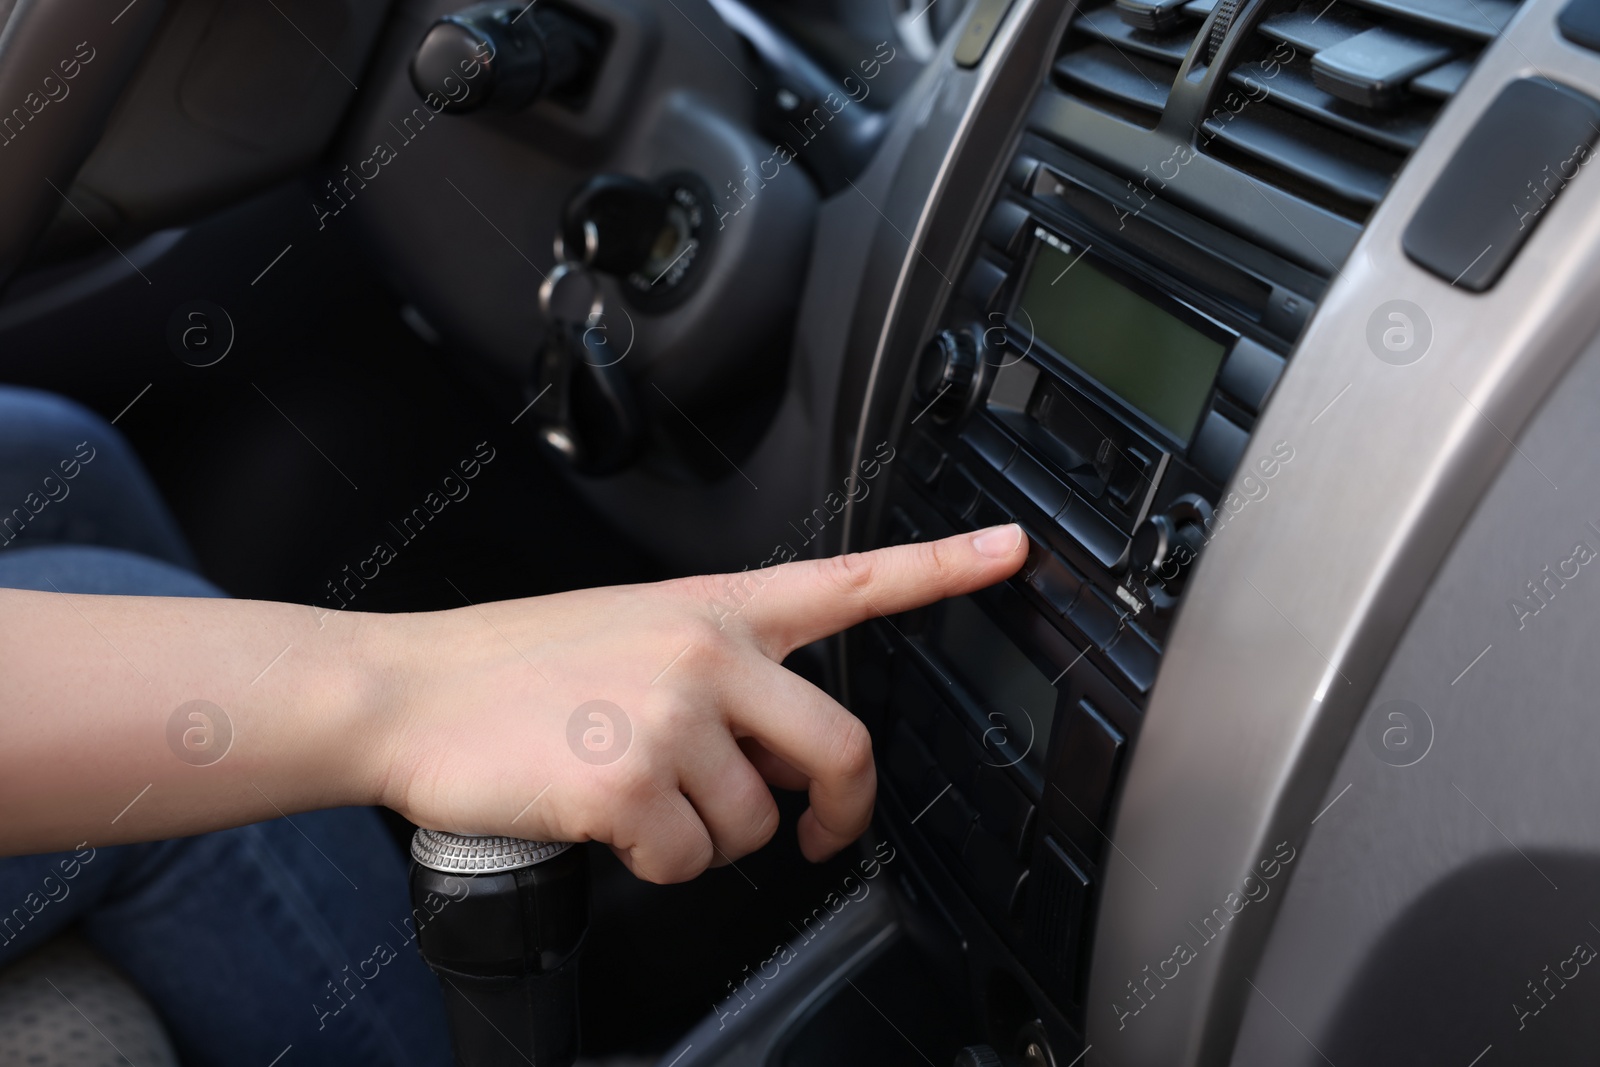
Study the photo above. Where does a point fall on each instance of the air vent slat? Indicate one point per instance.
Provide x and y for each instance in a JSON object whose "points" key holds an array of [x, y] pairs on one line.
{"points": [[1441, 83], [1349, 169], [1199, 9], [1106, 25], [1155, 16], [1115, 59], [1311, 30], [1371, 69], [1292, 87], [1478, 19], [1135, 80], [1340, 92]]}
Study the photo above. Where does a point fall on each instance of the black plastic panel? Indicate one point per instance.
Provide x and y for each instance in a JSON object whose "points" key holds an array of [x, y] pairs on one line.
{"points": [[1484, 206], [1579, 23]]}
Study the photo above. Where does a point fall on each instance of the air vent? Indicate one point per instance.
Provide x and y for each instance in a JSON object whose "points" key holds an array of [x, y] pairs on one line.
{"points": [[1123, 57], [1328, 98]]}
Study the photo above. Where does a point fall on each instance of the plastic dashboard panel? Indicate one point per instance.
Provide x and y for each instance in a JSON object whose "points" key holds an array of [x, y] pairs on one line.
{"points": [[1289, 624], [1294, 614]]}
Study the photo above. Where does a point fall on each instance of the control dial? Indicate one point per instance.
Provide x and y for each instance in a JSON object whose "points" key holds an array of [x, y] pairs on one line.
{"points": [[501, 54], [946, 373], [1167, 544]]}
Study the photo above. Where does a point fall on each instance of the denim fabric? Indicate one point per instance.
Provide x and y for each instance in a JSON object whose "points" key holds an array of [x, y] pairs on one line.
{"points": [[68, 477], [290, 938]]}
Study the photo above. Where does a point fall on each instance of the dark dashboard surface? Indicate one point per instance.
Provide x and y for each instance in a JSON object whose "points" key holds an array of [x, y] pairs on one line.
{"points": [[1189, 290]]}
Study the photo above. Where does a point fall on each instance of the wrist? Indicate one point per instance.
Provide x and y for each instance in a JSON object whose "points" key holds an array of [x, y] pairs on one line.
{"points": [[385, 664]]}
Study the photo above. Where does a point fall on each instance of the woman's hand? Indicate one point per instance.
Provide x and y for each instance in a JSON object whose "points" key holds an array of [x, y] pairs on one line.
{"points": [[652, 717]]}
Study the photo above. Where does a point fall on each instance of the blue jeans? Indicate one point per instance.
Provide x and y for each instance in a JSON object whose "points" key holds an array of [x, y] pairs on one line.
{"points": [[292, 934]]}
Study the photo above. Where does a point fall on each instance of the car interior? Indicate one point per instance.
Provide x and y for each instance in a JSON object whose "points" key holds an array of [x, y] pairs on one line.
{"points": [[1273, 323]]}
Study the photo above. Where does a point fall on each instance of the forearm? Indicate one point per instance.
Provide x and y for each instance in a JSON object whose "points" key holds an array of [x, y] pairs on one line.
{"points": [[628, 715], [89, 688]]}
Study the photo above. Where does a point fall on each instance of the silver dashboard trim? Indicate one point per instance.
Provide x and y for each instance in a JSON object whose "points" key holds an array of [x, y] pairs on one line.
{"points": [[1296, 606], [999, 50]]}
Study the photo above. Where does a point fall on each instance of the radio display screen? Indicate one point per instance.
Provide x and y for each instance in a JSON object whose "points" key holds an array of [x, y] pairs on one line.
{"points": [[1159, 365], [1018, 701]]}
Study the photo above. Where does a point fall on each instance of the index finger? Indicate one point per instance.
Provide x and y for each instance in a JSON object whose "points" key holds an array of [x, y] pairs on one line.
{"points": [[806, 601]]}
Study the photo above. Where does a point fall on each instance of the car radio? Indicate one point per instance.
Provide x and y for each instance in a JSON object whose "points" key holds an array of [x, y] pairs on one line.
{"points": [[1095, 377]]}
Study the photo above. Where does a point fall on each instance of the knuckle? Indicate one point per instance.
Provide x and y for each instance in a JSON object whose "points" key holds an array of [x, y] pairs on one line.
{"points": [[707, 648], [937, 560], [852, 572], [766, 821], [688, 862], [851, 749]]}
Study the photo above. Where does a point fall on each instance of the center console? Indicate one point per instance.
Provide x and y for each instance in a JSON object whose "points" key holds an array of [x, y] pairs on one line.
{"points": [[1094, 374]]}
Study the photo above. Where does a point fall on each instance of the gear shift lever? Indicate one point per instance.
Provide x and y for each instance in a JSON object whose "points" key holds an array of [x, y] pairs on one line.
{"points": [[506, 953]]}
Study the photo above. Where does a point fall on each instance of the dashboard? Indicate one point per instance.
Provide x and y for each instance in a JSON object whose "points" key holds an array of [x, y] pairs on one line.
{"points": [[1273, 323], [1218, 286]]}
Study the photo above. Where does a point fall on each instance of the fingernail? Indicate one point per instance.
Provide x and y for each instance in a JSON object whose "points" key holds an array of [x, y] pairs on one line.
{"points": [[997, 542]]}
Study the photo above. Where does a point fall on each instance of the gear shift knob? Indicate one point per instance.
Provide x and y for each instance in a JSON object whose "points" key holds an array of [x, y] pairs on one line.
{"points": [[506, 951]]}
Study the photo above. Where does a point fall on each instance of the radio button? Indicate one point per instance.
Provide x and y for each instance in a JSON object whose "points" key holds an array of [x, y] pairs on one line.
{"points": [[1037, 484], [958, 489], [947, 818], [1057, 581], [1250, 374], [995, 872], [1003, 809], [990, 512], [990, 442], [1218, 448], [954, 751], [1104, 541], [1136, 656], [983, 283], [924, 457], [1022, 172], [1094, 614], [912, 770], [1006, 225], [1079, 793], [902, 531], [1130, 478]]}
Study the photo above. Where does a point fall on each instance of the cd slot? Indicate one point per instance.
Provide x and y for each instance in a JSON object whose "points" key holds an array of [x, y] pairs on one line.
{"points": [[1197, 267], [1237, 280]]}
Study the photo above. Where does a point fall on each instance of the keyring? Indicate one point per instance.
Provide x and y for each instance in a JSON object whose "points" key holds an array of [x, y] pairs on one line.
{"points": [[563, 271], [591, 244]]}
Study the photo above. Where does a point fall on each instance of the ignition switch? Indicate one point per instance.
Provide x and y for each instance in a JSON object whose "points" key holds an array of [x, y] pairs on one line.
{"points": [[653, 236]]}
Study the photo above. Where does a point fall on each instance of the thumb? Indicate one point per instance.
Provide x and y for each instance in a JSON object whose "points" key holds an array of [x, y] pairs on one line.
{"points": [[799, 603]]}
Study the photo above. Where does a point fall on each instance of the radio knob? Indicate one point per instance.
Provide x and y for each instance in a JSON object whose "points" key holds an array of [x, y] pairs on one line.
{"points": [[946, 371], [1167, 544]]}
